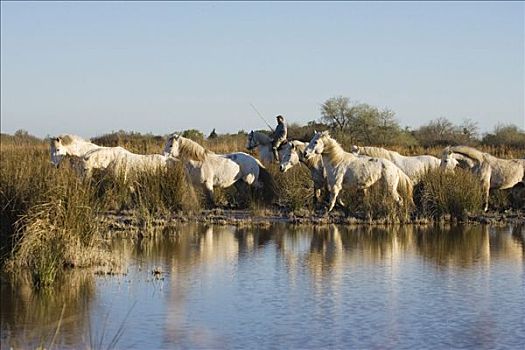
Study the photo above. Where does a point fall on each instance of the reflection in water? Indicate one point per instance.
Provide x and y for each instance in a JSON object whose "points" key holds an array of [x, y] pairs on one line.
{"points": [[292, 286], [23, 308]]}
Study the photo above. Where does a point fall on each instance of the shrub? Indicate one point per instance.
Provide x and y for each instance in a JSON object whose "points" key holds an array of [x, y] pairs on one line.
{"points": [[444, 192]]}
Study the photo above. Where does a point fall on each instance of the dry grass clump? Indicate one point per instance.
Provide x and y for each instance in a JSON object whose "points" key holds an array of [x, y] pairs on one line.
{"points": [[294, 188], [443, 192], [160, 191], [49, 216], [377, 204]]}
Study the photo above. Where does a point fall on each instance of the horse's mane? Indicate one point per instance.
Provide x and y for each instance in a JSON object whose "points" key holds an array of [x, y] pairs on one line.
{"points": [[192, 149], [469, 152], [378, 152], [300, 146], [68, 139], [263, 138], [333, 149]]}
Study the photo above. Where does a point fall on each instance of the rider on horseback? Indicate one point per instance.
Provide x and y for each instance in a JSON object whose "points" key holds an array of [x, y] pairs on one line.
{"points": [[279, 136]]}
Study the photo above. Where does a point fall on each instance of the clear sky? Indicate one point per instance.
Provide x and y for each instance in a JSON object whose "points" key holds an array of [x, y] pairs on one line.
{"points": [[94, 67]]}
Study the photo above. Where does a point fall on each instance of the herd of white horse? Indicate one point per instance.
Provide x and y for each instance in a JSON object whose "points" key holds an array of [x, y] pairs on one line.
{"points": [[331, 167]]}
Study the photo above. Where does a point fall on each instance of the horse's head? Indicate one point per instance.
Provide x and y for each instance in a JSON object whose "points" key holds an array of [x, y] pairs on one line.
{"points": [[316, 145], [57, 151], [448, 161], [251, 142], [289, 156], [171, 148]]}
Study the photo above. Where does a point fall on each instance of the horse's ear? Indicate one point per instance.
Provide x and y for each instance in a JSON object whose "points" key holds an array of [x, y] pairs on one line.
{"points": [[292, 146], [57, 139]]}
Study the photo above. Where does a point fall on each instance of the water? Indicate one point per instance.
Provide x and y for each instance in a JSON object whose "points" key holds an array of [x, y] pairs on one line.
{"points": [[285, 287]]}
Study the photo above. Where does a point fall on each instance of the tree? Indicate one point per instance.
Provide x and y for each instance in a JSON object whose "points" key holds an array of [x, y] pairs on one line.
{"points": [[505, 134], [372, 125], [469, 129], [442, 132], [361, 123], [193, 134], [337, 112]]}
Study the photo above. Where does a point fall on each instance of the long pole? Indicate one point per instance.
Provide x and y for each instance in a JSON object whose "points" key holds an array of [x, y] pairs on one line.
{"points": [[260, 116]]}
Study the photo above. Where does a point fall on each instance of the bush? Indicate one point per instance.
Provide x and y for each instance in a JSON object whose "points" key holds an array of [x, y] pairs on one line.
{"points": [[505, 135], [444, 192]]}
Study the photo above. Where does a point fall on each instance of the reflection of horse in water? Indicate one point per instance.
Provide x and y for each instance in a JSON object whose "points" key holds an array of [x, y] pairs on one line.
{"points": [[202, 254], [326, 256], [518, 233], [454, 246]]}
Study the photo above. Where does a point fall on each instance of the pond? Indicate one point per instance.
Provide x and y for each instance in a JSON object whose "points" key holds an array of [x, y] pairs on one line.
{"points": [[221, 287]]}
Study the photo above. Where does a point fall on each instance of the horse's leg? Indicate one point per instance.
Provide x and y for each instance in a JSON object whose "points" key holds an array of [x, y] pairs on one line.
{"points": [[87, 173], [249, 179], [317, 196], [208, 191], [486, 191], [333, 197], [485, 173], [392, 183], [243, 190]]}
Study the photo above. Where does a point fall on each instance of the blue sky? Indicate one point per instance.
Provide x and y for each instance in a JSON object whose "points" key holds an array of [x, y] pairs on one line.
{"points": [[94, 67]]}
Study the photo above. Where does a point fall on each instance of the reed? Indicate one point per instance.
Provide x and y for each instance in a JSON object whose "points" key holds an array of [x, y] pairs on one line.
{"points": [[455, 193]]}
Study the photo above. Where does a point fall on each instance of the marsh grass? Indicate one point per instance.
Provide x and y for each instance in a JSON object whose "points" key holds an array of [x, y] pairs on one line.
{"points": [[455, 193], [376, 204], [294, 188], [60, 229]]}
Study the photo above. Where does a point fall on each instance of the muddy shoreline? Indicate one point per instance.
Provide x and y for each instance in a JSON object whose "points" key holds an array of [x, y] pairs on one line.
{"points": [[129, 223]]}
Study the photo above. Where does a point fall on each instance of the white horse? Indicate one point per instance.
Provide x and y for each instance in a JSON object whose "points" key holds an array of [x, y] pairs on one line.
{"points": [[69, 145], [292, 154], [210, 170], [345, 169], [495, 173], [413, 166], [120, 161], [263, 143]]}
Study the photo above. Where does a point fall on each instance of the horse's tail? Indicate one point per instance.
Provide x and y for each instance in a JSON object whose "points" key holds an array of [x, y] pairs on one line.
{"points": [[269, 187], [406, 183]]}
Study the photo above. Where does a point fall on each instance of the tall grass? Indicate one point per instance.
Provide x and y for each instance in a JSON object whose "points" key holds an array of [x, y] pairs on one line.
{"points": [[51, 218], [443, 192]]}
